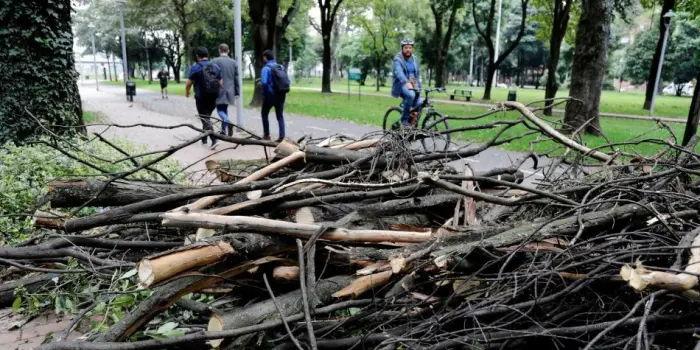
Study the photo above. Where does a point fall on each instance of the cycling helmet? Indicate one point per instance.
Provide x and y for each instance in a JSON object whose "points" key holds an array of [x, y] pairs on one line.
{"points": [[406, 42]]}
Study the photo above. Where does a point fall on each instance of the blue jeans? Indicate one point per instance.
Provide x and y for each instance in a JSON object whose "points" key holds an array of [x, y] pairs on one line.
{"points": [[222, 110], [411, 99]]}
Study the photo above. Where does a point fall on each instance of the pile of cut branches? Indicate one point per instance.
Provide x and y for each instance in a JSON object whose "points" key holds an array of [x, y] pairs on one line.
{"points": [[370, 243]]}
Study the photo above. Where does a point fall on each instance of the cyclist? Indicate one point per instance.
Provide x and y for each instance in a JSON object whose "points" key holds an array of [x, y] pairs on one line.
{"points": [[406, 78]]}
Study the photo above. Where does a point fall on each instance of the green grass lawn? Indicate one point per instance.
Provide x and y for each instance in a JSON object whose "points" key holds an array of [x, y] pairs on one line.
{"points": [[91, 117], [370, 110], [611, 101]]}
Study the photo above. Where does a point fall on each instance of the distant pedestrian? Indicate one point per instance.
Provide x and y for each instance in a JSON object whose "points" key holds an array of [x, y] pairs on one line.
{"points": [[206, 78], [163, 76], [229, 74], [275, 86]]}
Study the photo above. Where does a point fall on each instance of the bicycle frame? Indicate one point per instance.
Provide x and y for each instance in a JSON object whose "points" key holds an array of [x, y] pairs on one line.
{"points": [[425, 103]]}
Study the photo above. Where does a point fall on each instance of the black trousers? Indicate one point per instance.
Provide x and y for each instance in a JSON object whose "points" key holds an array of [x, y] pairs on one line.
{"points": [[276, 101], [206, 105]]}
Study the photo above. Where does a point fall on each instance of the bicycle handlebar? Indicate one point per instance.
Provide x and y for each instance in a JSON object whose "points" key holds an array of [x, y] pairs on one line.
{"points": [[438, 89]]}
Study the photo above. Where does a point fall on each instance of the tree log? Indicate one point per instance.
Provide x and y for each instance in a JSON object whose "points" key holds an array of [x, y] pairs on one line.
{"points": [[154, 270], [248, 224], [31, 283], [75, 192], [290, 303], [566, 226]]}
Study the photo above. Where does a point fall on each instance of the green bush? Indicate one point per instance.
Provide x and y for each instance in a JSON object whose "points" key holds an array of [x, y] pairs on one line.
{"points": [[25, 172]]}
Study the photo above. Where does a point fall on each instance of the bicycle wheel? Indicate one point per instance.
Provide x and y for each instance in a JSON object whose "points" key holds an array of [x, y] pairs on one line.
{"points": [[434, 140], [392, 118]]}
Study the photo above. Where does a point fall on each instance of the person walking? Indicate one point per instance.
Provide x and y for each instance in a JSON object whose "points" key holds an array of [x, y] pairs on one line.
{"points": [[206, 78], [230, 88], [275, 86], [163, 76]]}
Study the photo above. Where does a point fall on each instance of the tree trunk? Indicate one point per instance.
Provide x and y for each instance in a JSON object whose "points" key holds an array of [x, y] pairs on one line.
{"points": [[559, 27], [667, 6], [590, 59], [691, 127], [114, 65], [150, 64], [46, 50], [491, 70], [326, 80], [263, 15], [109, 69], [378, 69]]}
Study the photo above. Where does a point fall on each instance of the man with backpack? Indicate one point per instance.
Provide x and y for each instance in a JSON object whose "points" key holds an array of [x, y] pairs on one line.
{"points": [[275, 86], [163, 76], [206, 78]]}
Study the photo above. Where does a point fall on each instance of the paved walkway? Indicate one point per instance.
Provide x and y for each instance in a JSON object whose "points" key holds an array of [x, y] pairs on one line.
{"points": [[149, 107]]}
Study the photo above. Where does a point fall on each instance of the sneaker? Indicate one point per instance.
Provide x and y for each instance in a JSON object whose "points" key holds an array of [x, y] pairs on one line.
{"points": [[280, 139], [268, 138], [214, 145]]}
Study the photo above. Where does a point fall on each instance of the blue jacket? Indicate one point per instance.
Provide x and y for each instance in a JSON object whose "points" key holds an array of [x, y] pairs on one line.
{"points": [[401, 74], [266, 78]]}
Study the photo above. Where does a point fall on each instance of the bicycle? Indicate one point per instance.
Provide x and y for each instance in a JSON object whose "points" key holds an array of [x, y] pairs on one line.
{"points": [[434, 122]]}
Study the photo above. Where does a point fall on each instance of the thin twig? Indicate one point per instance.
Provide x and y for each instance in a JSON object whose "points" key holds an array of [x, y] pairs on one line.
{"points": [[286, 325], [305, 296]]}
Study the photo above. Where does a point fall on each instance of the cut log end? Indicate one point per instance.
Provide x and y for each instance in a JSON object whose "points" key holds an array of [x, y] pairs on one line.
{"points": [[146, 274], [286, 273], [304, 216], [151, 271], [215, 324], [254, 194]]}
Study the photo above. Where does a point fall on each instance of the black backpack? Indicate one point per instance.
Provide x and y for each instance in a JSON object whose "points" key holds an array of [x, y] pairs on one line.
{"points": [[210, 81], [280, 80]]}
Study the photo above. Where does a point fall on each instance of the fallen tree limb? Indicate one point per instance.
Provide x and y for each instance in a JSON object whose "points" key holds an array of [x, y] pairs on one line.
{"points": [[75, 192], [253, 224], [565, 226], [154, 270], [30, 283], [168, 342], [124, 213], [641, 278], [557, 136], [290, 303]]}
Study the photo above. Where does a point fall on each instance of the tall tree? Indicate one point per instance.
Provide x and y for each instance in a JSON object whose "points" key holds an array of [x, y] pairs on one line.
{"points": [[441, 10], [487, 34], [329, 9], [267, 31], [36, 51], [667, 5], [590, 60], [555, 16], [380, 31]]}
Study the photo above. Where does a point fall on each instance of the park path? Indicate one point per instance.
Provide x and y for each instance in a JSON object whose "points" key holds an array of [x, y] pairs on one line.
{"points": [[148, 106], [556, 111]]}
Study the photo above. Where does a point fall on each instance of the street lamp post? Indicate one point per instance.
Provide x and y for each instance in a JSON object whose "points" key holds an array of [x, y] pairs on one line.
{"points": [[498, 41], [123, 39], [239, 60], [668, 15], [471, 67]]}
